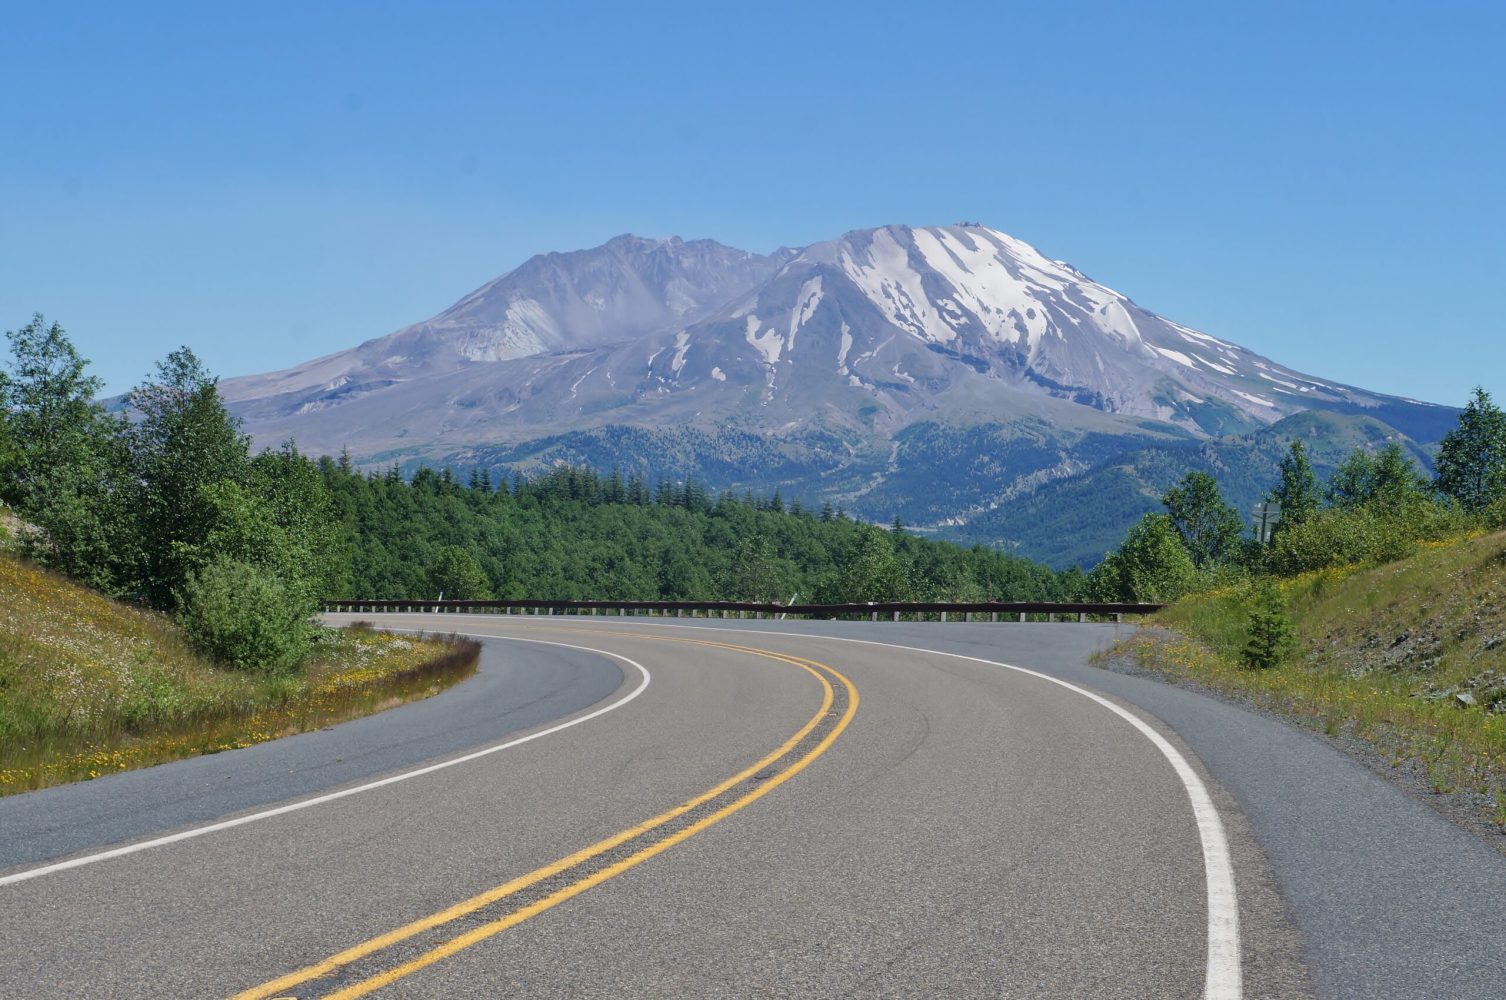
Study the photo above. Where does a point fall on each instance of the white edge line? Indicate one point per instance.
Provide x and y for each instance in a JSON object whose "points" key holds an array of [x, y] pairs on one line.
{"points": [[1225, 977], [392, 779]]}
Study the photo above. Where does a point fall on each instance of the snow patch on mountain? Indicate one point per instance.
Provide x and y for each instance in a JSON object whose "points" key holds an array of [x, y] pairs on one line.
{"points": [[806, 303], [767, 343], [1257, 400], [844, 346], [1176, 356], [891, 284]]}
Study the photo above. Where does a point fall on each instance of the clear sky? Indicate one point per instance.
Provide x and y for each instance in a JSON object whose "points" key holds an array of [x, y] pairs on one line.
{"points": [[1323, 183]]}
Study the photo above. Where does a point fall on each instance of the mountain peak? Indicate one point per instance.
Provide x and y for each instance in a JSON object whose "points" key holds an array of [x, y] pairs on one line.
{"points": [[632, 240], [873, 329]]}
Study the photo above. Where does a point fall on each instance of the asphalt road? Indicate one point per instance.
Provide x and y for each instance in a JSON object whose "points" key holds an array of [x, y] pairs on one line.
{"points": [[798, 816]]}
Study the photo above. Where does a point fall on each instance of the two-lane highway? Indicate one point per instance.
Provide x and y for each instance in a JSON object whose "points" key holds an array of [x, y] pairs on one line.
{"points": [[738, 813]]}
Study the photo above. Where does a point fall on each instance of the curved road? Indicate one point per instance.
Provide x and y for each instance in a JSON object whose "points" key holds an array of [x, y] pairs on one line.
{"points": [[619, 808]]}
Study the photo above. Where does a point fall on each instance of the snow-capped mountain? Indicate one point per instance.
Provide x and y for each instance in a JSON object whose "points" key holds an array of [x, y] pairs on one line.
{"points": [[842, 369], [907, 316]]}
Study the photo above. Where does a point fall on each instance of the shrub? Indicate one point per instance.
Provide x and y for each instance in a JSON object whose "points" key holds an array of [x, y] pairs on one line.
{"points": [[1495, 514], [1153, 563], [243, 616], [1271, 634], [1376, 532]]}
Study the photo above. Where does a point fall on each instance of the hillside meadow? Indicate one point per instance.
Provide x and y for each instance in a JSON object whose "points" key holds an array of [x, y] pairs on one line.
{"points": [[89, 685]]}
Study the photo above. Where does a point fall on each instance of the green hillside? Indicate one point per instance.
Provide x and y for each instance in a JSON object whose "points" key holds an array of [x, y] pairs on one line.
{"points": [[1408, 657], [1074, 521], [89, 685], [573, 534]]}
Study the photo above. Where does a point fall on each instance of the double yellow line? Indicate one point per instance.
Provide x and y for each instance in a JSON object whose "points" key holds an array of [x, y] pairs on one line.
{"points": [[335, 963]]}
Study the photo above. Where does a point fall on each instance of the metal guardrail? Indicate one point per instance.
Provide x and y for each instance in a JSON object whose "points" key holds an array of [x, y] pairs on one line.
{"points": [[894, 611]]}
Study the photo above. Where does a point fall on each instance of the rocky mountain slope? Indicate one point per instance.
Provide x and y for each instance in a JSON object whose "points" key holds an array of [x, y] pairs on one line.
{"points": [[952, 363]]}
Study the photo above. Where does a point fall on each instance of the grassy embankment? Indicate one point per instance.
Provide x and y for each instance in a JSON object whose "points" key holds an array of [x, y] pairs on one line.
{"points": [[90, 686], [1408, 657]]}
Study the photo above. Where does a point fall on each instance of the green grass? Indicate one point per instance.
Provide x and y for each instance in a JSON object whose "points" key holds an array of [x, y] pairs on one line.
{"points": [[1382, 653], [89, 685]]}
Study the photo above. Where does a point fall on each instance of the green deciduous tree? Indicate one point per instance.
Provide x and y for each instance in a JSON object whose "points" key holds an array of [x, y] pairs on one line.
{"points": [[1152, 565], [1397, 479], [63, 469], [682, 578], [49, 403], [280, 519], [183, 443], [1298, 492], [1472, 458], [1353, 481], [1388, 476], [456, 574], [10, 451], [752, 574], [1209, 527], [870, 571]]}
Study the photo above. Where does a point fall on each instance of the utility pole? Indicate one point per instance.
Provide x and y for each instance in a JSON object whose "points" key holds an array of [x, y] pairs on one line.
{"points": [[1266, 516]]}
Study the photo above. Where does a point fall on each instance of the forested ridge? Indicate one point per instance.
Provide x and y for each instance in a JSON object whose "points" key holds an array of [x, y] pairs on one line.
{"points": [[576, 534]]}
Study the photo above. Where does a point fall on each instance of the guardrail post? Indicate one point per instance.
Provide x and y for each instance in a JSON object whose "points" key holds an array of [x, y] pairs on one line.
{"points": [[1082, 616], [679, 612], [1022, 617], [993, 616], [1118, 617], [943, 616]]}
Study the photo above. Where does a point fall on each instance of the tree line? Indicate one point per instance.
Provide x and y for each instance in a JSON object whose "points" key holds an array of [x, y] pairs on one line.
{"points": [[163, 502], [1376, 506], [572, 533]]}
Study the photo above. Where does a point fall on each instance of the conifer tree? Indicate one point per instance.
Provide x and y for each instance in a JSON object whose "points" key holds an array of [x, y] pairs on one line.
{"points": [[1271, 634]]}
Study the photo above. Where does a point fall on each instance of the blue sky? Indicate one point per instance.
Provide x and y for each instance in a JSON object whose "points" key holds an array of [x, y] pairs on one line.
{"points": [[1325, 184]]}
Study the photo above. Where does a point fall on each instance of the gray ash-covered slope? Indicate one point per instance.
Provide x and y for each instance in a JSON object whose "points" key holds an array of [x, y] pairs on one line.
{"points": [[941, 372], [554, 303]]}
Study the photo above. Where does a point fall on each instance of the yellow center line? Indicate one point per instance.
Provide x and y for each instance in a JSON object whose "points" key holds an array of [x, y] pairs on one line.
{"points": [[482, 900]]}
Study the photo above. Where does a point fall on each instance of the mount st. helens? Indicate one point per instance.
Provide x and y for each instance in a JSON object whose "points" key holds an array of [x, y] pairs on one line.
{"points": [[938, 374]]}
